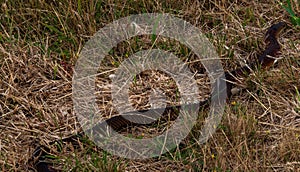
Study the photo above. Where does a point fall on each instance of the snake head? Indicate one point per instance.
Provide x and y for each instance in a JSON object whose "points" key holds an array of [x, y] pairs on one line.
{"points": [[269, 56], [274, 31]]}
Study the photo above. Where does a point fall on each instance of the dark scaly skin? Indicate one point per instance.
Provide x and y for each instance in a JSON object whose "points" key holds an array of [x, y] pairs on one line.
{"points": [[265, 61], [267, 58]]}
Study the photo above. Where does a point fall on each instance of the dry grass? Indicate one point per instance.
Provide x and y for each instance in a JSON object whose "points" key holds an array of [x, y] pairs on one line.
{"points": [[39, 45]]}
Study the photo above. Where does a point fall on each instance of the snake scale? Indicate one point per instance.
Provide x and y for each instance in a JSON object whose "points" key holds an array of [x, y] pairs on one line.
{"points": [[264, 61]]}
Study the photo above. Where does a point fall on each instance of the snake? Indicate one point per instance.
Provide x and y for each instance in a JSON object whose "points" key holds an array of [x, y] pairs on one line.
{"points": [[264, 61]]}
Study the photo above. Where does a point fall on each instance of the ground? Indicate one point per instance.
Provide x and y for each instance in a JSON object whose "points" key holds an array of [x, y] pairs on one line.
{"points": [[40, 43]]}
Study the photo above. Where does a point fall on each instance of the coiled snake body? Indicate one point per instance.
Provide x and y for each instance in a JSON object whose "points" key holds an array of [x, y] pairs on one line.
{"points": [[264, 61]]}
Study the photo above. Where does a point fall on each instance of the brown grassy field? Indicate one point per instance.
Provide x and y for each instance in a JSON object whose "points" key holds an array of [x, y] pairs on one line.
{"points": [[40, 42]]}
